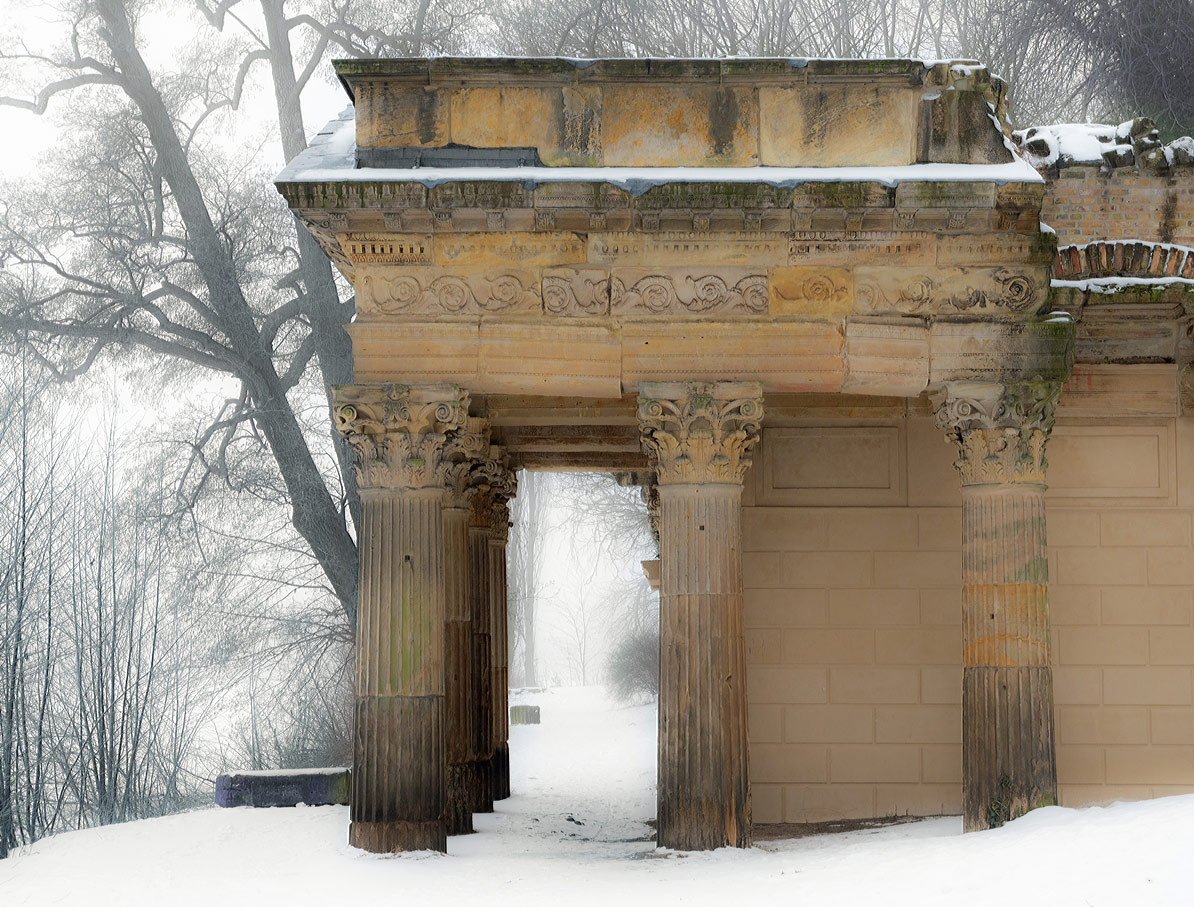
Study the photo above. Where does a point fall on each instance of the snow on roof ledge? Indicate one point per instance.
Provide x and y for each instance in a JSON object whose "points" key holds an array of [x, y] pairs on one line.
{"points": [[1132, 143], [449, 67], [331, 157]]}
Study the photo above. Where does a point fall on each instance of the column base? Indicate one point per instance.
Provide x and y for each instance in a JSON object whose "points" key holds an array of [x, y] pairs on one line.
{"points": [[701, 826], [501, 772], [459, 817], [398, 837], [1008, 762]]}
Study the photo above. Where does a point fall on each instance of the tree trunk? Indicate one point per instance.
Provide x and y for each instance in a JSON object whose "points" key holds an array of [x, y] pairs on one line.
{"points": [[334, 349], [314, 515]]}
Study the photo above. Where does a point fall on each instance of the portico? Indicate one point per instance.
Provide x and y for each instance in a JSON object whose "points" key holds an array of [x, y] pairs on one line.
{"points": [[645, 267]]}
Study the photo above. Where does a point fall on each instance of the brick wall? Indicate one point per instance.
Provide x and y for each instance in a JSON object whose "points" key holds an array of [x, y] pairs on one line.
{"points": [[854, 638], [1083, 204]]}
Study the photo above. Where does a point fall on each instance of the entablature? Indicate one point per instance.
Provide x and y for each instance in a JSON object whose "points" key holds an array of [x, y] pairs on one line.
{"points": [[816, 254]]}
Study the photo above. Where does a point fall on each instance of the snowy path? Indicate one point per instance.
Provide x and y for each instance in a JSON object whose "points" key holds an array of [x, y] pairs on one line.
{"points": [[573, 835], [584, 780]]}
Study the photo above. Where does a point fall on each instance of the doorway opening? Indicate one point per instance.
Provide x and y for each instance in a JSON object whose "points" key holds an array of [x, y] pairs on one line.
{"points": [[584, 656]]}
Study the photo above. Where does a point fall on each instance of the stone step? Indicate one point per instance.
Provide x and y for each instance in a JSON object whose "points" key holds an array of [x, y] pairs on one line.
{"points": [[524, 714]]}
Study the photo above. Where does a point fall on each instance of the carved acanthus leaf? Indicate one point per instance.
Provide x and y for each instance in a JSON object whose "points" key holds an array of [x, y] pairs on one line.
{"points": [[494, 483], [463, 453], [700, 433], [650, 496], [1000, 429], [999, 456], [399, 434]]}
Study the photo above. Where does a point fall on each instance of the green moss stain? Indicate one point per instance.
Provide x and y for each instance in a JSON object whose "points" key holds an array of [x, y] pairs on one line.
{"points": [[999, 810]]}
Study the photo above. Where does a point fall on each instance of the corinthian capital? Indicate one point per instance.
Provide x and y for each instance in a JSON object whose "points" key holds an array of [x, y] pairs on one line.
{"points": [[700, 433], [1000, 429], [399, 434], [462, 454], [493, 483], [650, 496]]}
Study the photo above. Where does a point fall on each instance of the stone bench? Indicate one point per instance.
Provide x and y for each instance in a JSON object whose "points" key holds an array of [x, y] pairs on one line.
{"points": [[284, 787]]}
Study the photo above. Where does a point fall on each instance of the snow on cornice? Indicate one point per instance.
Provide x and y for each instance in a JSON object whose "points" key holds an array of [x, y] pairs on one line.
{"points": [[331, 157]]}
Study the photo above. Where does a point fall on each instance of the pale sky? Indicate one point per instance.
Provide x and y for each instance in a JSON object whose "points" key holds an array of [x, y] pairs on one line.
{"points": [[25, 135]]}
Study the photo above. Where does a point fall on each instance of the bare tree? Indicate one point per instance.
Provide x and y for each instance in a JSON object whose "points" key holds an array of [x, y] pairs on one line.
{"points": [[531, 513], [1129, 57], [27, 635], [576, 632], [178, 246]]}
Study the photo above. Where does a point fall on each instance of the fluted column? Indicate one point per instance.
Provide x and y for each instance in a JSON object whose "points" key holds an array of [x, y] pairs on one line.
{"points": [[459, 684], [481, 754], [496, 484], [1008, 753], [398, 435], [698, 438], [499, 534]]}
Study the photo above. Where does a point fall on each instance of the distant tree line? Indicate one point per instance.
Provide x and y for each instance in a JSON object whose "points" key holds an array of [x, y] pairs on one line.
{"points": [[1063, 59]]}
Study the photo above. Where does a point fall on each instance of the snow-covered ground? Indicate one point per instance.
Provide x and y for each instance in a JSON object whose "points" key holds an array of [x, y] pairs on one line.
{"points": [[575, 833]]}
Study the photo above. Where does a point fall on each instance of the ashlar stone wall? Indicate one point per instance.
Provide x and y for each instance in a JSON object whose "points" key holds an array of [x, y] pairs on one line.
{"points": [[853, 604]]}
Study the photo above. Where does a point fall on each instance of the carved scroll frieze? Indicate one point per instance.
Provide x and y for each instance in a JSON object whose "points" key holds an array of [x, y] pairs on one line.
{"points": [[811, 291], [575, 292], [688, 292], [400, 434], [700, 433], [1000, 429], [906, 291], [433, 291]]}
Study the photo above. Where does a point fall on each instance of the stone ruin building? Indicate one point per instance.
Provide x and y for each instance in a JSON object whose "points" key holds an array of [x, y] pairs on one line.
{"points": [[814, 309]]}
